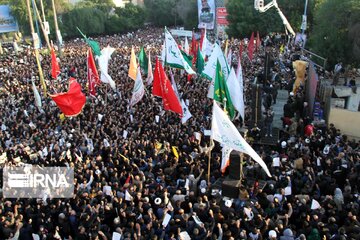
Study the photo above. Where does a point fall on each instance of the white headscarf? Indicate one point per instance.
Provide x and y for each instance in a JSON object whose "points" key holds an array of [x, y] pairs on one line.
{"points": [[338, 198]]}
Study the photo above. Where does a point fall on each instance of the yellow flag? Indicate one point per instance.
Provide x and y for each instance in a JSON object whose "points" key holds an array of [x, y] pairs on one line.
{"points": [[62, 117], [175, 152], [158, 146], [282, 48], [125, 158], [133, 65], [226, 47]]}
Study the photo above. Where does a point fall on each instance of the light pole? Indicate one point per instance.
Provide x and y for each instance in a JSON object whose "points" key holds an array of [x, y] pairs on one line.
{"points": [[304, 22]]}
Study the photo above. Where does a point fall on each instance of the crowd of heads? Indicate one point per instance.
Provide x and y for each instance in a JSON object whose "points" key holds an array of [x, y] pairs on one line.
{"points": [[128, 184]]}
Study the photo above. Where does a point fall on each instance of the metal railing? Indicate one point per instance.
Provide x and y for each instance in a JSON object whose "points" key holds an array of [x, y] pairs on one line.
{"points": [[316, 63]]}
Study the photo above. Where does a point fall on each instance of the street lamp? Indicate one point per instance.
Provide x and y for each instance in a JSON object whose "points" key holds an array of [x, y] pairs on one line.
{"points": [[304, 22]]}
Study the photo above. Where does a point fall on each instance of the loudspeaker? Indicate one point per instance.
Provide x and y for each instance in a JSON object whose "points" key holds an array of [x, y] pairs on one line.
{"points": [[230, 188], [234, 166]]}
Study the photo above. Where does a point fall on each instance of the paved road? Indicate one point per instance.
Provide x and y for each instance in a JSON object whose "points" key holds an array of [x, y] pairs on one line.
{"points": [[278, 108]]}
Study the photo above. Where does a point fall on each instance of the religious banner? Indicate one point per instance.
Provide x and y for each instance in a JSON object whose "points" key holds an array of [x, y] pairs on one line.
{"points": [[206, 13]]}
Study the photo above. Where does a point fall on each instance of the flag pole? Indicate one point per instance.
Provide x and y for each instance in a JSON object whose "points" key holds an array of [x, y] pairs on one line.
{"points": [[56, 27], [42, 26], [242, 161], [209, 162], [41, 76]]}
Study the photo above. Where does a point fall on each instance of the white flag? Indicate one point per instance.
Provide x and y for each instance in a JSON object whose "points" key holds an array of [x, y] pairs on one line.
{"points": [[206, 47], [35, 236], [236, 92], [315, 204], [163, 54], [174, 58], [150, 75], [138, 91], [103, 62], [173, 84], [225, 132], [225, 158], [128, 197], [186, 113], [229, 57], [37, 97], [210, 67], [116, 236], [203, 45], [106, 143], [186, 47], [239, 76]]}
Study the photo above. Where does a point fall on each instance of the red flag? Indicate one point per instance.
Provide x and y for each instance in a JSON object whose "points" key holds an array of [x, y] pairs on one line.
{"points": [[162, 88], [202, 38], [170, 100], [196, 46], [156, 91], [189, 76], [241, 50], [258, 41], [71, 102], [128, 179], [92, 74], [55, 68], [193, 45], [251, 47]]}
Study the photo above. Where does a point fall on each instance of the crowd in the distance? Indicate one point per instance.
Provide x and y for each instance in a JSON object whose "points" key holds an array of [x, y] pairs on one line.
{"points": [[146, 180]]}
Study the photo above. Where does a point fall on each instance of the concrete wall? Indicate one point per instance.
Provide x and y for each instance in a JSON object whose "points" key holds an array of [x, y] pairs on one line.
{"points": [[347, 121]]}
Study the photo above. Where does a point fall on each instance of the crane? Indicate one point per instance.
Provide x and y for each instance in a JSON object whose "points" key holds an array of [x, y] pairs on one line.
{"points": [[259, 6]]}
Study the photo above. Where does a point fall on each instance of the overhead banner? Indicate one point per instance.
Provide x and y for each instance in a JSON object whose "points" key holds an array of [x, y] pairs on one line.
{"points": [[7, 21], [206, 13], [221, 15]]}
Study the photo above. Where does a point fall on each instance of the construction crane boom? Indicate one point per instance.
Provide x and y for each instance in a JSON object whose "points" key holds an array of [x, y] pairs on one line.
{"points": [[259, 6]]}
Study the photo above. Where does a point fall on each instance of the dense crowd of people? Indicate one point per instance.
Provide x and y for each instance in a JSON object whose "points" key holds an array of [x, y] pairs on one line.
{"points": [[146, 180]]}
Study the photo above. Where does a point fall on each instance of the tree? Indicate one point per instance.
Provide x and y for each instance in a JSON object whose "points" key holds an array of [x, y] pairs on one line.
{"points": [[244, 19], [336, 31], [133, 16], [161, 12], [90, 20], [18, 10], [187, 11]]}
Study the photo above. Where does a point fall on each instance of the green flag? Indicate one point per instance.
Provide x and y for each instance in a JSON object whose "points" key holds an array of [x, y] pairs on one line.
{"points": [[221, 92], [93, 44], [200, 63], [143, 60], [186, 57]]}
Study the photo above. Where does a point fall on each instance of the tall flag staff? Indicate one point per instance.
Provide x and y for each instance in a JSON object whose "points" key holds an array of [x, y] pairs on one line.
{"points": [[35, 39]]}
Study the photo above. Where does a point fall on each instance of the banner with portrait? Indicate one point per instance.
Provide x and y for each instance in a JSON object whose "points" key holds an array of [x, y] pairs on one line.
{"points": [[206, 13], [7, 21]]}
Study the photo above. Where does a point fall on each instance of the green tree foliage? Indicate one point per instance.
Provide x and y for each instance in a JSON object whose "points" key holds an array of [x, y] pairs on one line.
{"points": [[90, 20], [126, 19], [244, 19], [161, 12], [101, 2], [18, 10], [133, 16], [337, 31], [172, 12], [188, 13]]}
